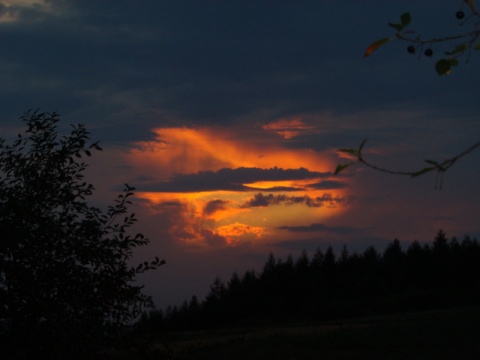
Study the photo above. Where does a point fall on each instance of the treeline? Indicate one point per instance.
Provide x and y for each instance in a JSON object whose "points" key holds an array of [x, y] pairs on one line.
{"points": [[445, 273]]}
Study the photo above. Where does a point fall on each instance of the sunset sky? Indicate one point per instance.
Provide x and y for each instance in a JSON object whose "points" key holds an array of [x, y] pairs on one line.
{"points": [[226, 116]]}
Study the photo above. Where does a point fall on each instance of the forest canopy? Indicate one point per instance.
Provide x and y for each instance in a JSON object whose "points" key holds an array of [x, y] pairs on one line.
{"points": [[326, 286]]}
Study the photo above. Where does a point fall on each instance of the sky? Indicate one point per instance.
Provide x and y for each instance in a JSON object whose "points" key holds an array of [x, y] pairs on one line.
{"points": [[226, 116]]}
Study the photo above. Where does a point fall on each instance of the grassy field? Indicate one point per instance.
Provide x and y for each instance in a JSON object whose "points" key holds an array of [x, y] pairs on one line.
{"points": [[449, 334]]}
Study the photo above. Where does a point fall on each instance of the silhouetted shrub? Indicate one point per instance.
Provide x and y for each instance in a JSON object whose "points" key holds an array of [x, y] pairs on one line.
{"points": [[65, 279]]}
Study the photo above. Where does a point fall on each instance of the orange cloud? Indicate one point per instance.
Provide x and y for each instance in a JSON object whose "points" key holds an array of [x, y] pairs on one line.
{"points": [[202, 219], [201, 180], [287, 128], [185, 150], [236, 232]]}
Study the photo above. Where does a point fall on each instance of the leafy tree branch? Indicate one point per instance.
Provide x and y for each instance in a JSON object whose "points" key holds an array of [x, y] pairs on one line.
{"points": [[436, 166], [464, 42]]}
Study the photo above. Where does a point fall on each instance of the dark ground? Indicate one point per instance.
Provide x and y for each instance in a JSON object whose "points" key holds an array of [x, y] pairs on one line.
{"points": [[448, 334]]}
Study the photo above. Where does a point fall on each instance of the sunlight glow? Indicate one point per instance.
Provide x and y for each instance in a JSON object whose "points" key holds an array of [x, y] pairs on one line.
{"points": [[11, 9], [287, 128], [185, 150], [251, 213], [236, 232]]}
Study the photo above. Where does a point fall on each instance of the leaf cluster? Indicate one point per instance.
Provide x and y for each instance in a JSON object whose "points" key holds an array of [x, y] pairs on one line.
{"points": [[355, 153]]}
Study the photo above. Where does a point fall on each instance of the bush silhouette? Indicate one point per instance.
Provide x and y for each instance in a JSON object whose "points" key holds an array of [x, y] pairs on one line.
{"points": [[65, 278]]}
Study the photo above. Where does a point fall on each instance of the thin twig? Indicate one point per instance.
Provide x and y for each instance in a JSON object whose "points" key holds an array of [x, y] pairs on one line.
{"points": [[473, 34], [439, 167]]}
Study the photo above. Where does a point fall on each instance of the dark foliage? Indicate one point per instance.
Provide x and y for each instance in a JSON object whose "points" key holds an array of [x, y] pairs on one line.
{"points": [[441, 275], [65, 278]]}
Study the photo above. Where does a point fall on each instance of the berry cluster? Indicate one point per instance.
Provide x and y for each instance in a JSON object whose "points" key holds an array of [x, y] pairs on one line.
{"points": [[429, 52]]}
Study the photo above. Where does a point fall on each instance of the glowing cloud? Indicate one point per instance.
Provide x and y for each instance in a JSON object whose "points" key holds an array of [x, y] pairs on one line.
{"points": [[190, 151], [208, 185], [287, 128], [11, 10], [236, 232]]}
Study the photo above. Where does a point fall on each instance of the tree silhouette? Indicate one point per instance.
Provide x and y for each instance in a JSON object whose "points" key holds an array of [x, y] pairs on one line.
{"points": [[65, 272], [443, 275]]}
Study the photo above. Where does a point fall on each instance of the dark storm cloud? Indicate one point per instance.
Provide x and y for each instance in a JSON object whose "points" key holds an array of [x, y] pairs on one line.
{"points": [[354, 243], [90, 64], [277, 188], [168, 206], [317, 227], [329, 184], [214, 206], [177, 220], [212, 239], [231, 179], [262, 200], [123, 68]]}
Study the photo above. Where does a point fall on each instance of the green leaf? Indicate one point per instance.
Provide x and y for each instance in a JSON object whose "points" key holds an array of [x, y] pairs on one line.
{"points": [[443, 67], [398, 27], [405, 18], [341, 167], [477, 46], [374, 46], [349, 151], [423, 171], [458, 49]]}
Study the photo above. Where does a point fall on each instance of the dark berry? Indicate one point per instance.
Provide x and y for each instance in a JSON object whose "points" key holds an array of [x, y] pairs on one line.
{"points": [[460, 15], [411, 49], [428, 52]]}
